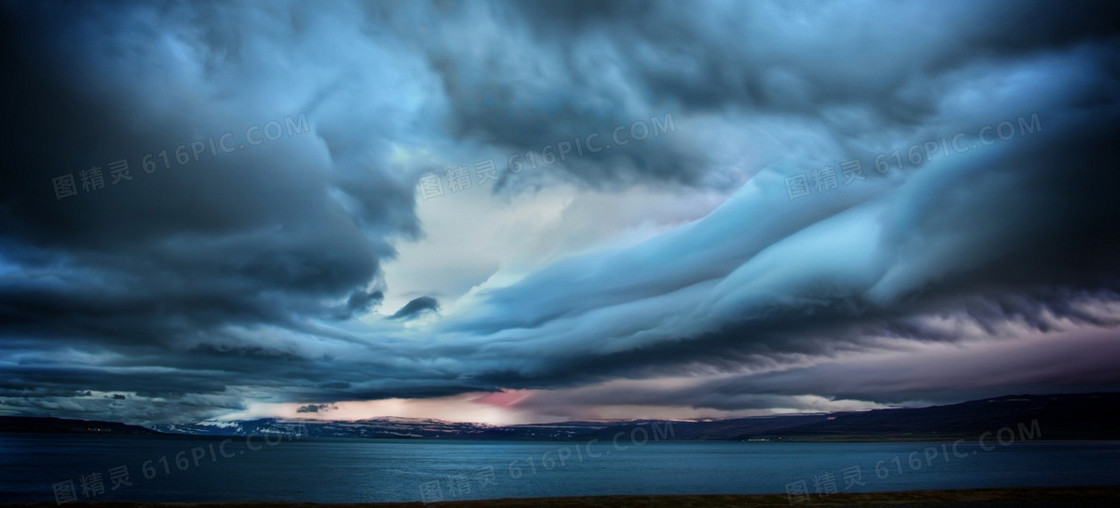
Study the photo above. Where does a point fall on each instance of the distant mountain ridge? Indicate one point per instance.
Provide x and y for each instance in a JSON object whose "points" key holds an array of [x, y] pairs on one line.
{"points": [[47, 425], [388, 428], [1063, 416]]}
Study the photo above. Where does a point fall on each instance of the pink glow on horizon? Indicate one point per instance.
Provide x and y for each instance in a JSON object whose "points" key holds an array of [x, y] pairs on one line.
{"points": [[497, 408], [505, 398]]}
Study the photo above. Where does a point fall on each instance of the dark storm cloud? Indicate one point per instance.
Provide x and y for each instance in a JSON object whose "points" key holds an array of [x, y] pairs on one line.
{"points": [[415, 307], [173, 266], [266, 234], [361, 302], [250, 275], [530, 74]]}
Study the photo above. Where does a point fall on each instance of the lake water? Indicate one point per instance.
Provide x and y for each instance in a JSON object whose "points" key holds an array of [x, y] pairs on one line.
{"points": [[39, 467]]}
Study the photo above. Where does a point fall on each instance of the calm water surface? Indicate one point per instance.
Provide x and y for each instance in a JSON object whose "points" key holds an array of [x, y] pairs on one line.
{"points": [[205, 469]]}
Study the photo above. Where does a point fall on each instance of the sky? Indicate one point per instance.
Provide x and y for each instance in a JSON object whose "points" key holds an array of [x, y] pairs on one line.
{"points": [[533, 211]]}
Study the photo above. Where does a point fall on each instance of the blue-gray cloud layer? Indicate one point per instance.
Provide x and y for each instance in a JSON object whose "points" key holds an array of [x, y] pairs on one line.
{"points": [[241, 276]]}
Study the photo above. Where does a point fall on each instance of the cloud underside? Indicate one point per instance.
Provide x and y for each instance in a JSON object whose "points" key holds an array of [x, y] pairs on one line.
{"points": [[257, 276]]}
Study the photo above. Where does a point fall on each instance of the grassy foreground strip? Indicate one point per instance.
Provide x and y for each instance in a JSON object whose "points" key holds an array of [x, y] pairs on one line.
{"points": [[1045, 496]]}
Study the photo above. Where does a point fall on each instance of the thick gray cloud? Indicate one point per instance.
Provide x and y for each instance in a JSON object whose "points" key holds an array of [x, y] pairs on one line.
{"points": [[255, 274]]}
